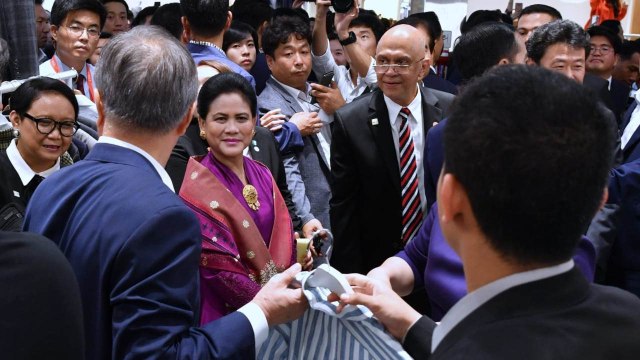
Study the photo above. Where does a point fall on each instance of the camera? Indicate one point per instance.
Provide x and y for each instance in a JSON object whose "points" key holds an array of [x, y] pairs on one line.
{"points": [[342, 6]]}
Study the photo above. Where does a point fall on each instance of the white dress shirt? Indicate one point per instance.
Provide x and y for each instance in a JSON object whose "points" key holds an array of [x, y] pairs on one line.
{"points": [[633, 124], [252, 311], [22, 168], [325, 63], [416, 126], [304, 100], [472, 301]]}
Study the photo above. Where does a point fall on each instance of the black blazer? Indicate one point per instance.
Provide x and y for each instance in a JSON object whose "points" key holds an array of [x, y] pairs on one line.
{"points": [[264, 150], [365, 207], [433, 81], [561, 317]]}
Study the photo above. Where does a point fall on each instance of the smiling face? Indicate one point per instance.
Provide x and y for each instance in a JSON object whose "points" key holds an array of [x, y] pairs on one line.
{"points": [[243, 52], [73, 48], [565, 59], [291, 63], [228, 127], [38, 150]]}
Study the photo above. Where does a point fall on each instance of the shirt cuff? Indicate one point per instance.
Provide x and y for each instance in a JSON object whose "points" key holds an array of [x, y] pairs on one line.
{"points": [[258, 322]]}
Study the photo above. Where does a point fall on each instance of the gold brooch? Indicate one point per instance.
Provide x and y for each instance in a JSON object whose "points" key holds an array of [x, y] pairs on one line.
{"points": [[250, 195]]}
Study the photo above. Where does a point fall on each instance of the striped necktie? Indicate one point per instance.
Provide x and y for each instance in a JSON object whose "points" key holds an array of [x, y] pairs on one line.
{"points": [[411, 206], [80, 83]]}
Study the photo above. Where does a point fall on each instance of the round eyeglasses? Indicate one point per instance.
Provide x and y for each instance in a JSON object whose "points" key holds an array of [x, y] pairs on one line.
{"points": [[46, 126]]}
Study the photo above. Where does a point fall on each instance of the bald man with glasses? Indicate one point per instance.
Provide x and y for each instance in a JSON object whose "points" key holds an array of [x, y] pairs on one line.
{"points": [[378, 192]]}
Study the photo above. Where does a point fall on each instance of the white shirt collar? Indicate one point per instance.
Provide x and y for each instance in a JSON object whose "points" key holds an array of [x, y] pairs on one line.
{"points": [[394, 109], [609, 81], [297, 94], [22, 168], [64, 67], [156, 165], [478, 297]]}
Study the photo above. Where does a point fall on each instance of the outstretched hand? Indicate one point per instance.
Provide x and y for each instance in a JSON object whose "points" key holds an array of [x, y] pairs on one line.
{"points": [[279, 302]]}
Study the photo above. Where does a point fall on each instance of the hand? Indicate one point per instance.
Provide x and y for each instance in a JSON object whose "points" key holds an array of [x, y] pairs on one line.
{"points": [[297, 4], [343, 20], [307, 122], [322, 7], [310, 227], [307, 264], [387, 306], [273, 120], [329, 98], [279, 302]]}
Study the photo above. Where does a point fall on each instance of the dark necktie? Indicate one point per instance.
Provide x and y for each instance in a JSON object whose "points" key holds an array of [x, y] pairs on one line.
{"points": [[411, 204], [80, 83]]}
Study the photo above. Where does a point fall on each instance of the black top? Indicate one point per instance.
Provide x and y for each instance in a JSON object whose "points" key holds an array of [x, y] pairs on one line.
{"points": [[12, 191]]}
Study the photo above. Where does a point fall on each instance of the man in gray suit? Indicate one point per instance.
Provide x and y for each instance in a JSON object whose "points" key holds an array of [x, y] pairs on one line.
{"points": [[301, 127]]}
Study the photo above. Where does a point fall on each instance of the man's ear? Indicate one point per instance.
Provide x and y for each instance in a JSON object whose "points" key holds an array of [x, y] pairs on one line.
{"points": [[54, 32], [227, 25], [529, 61], [100, 108], [270, 62], [186, 28], [504, 61], [184, 124]]}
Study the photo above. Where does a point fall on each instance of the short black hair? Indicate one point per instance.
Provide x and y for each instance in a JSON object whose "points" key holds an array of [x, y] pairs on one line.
{"points": [[522, 165], [105, 35], [289, 12], [613, 25], [482, 47], [433, 26], [206, 17], [168, 17], [238, 32], [123, 2], [61, 8], [479, 17], [32, 89], [628, 48], [613, 38], [38, 2], [541, 9], [279, 31], [142, 15], [370, 21], [252, 12], [555, 32], [226, 83]]}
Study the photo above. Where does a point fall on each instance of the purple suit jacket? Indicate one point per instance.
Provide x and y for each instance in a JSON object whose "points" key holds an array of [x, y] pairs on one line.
{"points": [[438, 269]]}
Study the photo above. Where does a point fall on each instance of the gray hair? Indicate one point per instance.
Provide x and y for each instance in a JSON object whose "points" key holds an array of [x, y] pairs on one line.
{"points": [[4, 57], [147, 80]]}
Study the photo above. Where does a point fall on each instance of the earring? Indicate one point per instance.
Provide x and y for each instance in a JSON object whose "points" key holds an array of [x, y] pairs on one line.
{"points": [[16, 133], [253, 132], [203, 135]]}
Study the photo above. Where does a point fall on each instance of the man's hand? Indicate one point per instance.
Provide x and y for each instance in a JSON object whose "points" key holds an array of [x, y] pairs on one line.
{"points": [[310, 227], [307, 122], [279, 302], [329, 98], [388, 307], [322, 7], [343, 20], [273, 120]]}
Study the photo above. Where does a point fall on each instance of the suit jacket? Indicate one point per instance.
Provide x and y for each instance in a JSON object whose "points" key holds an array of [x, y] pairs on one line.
{"points": [[619, 94], [632, 151], [263, 148], [366, 213], [40, 304], [306, 166], [433, 81], [554, 318], [135, 248]]}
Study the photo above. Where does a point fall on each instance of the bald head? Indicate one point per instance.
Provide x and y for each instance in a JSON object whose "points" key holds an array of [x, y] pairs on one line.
{"points": [[401, 62]]}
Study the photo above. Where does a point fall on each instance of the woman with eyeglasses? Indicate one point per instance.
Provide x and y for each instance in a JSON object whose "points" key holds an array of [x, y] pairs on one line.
{"points": [[43, 114]]}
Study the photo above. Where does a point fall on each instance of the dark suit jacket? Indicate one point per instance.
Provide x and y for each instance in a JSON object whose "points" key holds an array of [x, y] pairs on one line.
{"points": [[264, 149], [433, 81], [366, 213], [619, 94], [562, 317], [40, 308], [135, 248], [632, 151]]}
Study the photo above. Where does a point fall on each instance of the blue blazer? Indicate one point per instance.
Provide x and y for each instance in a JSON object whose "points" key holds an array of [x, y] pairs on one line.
{"points": [[134, 247], [632, 151], [433, 160]]}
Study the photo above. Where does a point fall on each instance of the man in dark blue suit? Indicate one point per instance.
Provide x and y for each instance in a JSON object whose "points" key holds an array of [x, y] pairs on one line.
{"points": [[132, 243], [630, 130]]}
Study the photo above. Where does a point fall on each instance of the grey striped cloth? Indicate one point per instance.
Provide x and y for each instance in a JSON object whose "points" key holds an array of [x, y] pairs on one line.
{"points": [[322, 334]]}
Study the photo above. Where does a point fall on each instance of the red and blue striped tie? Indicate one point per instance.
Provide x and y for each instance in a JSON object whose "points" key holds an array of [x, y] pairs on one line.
{"points": [[411, 204]]}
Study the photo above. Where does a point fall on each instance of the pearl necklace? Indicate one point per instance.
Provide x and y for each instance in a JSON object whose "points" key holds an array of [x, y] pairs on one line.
{"points": [[206, 43]]}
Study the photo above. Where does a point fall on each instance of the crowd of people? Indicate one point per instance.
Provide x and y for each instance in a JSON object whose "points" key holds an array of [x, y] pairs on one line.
{"points": [[152, 206]]}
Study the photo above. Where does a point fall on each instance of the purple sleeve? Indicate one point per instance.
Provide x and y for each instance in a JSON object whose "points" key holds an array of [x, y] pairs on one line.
{"points": [[585, 258], [415, 251]]}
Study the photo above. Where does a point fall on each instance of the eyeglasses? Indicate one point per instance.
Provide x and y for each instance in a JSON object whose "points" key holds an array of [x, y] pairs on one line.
{"points": [[398, 68], [46, 126], [604, 50], [77, 30]]}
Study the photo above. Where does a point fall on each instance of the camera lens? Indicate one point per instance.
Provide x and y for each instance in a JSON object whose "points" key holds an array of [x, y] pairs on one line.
{"points": [[342, 6]]}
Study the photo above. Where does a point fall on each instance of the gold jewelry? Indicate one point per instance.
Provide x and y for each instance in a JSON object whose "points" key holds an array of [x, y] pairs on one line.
{"points": [[203, 135], [250, 195]]}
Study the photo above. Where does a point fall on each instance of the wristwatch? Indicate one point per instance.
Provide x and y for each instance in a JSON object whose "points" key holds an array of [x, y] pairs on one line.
{"points": [[348, 41]]}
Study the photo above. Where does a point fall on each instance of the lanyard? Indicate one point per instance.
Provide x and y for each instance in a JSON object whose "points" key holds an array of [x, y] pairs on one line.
{"points": [[56, 68]]}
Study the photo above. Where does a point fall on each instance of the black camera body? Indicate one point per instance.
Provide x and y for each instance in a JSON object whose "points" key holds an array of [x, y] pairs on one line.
{"points": [[342, 6]]}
